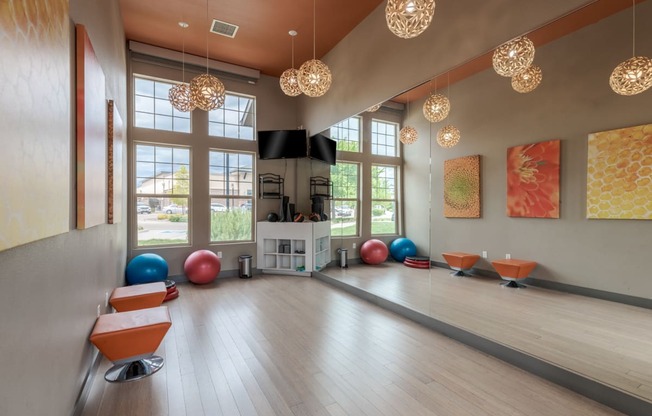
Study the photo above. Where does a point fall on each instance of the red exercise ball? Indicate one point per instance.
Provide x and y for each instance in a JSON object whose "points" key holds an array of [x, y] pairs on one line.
{"points": [[202, 267], [373, 251]]}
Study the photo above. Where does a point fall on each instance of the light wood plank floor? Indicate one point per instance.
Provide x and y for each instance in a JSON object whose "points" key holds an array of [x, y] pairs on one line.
{"points": [[279, 345], [604, 341]]}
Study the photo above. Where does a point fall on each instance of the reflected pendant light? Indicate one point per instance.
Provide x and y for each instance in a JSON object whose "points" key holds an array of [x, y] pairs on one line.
{"points": [[314, 75], [408, 134], [409, 18], [527, 80], [207, 91], [179, 95], [436, 108], [513, 57], [374, 108], [448, 136], [635, 74], [290, 78]]}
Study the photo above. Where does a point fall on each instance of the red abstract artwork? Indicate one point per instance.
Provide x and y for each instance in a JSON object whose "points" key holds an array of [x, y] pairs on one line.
{"points": [[533, 180]]}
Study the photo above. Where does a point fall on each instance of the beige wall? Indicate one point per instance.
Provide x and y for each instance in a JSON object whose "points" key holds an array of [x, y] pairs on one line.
{"points": [[574, 100], [51, 288]]}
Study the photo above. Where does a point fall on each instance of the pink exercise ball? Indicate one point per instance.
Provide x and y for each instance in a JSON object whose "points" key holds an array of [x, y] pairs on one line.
{"points": [[202, 267], [373, 251]]}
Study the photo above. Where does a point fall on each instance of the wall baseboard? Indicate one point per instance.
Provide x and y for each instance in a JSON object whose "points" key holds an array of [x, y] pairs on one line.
{"points": [[80, 403]]}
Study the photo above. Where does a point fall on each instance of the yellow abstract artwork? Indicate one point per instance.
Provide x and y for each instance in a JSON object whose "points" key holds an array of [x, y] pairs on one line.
{"points": [[619, 174]]}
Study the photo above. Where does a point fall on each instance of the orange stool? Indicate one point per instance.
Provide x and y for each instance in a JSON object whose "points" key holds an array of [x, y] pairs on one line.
{"points": [[129, 340], [460, 261], [129, 298], [512, 269]]}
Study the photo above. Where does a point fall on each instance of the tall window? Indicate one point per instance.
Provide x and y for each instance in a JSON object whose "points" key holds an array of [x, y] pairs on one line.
{"points": [[347, 133], [152, 108], [236, 119], [383, 199], [383, 138], [345, 202], [231, 190], [162, 195]]}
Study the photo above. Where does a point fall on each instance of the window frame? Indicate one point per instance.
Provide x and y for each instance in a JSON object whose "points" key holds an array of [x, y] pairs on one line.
{"points": [[395, 200], [338, 127], [224, 124], [375, 134], [356, 201], [248, 196], [175, 114], [160, 196]]}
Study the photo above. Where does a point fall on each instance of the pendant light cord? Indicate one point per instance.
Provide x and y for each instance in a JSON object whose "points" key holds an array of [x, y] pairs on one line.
{"points": [[292, 52], [633, 27], [207, 37], [314, 26], [183, 56]]}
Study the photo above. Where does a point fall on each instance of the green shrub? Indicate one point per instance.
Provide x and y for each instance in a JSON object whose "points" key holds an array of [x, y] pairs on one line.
{"points": [[178, 218], [231, 225]]}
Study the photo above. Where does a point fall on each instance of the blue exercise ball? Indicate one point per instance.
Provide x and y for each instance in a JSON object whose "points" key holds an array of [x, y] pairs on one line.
{"points": [[401, 248], [146, 268]]}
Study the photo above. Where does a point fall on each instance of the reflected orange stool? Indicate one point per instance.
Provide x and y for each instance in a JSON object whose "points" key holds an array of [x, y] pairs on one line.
{"points": [[460, 261], [147, 295], [129, 340], [512, 270]]}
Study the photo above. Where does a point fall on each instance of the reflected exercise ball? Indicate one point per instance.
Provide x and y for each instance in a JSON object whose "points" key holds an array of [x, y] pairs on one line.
{"points": [[402, 248], [146, 268], [202, 267], [373, 251]]}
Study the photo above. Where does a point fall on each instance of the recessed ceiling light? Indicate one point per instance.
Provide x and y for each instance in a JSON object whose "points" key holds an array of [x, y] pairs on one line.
{"points": [[183, 24]]}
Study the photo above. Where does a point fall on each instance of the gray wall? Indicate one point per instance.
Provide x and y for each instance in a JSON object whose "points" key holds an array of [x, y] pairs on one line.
{"points": [[51, 288], [573, 100]]}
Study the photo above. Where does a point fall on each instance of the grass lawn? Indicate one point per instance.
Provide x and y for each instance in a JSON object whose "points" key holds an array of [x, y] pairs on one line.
{"points": [[377, 227]]}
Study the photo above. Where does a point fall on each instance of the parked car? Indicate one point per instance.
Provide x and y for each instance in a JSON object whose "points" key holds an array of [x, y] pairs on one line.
{"points": [[217, 207], [174, 209], [343, 211], [246, 205], [143, 209]]}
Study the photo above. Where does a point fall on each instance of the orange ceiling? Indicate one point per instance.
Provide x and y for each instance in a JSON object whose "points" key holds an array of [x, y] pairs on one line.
{"points": [[262, 41]]}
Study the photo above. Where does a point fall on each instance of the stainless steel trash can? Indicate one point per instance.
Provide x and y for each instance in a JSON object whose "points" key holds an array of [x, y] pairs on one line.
{"points": [[245, 266], [344, 260]]}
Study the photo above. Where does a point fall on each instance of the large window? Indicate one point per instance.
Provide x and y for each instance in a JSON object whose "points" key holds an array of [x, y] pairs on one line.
{"points": [[383, 138], [152, 108], [162, 194], [231, 191], [236, 119], [345, 202], [383, 199], [347, 133]]}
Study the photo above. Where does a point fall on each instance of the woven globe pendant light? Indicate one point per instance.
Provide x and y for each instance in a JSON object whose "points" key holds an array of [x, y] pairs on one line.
{"points": [[527, 80], [181, 99], [513, 57], [314, 76], [632, 76], [289, 80], [207, 92], [436, 108], [374, 108], [635, 74], [408, 135], [409, 18], [448, 136]]}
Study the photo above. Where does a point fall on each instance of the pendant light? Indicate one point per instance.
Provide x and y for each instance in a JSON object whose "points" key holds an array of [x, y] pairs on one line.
{"points": [[179, 95], [634, 75], [436, 107], [207, 91], [374, 108], [527, 80], [513, 57], [408, 134], [290, 78], [409, 18], [448, 136], [314, 75]]}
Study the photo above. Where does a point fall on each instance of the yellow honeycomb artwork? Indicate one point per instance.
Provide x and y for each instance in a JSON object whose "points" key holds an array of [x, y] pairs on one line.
{"points": [[619, 174]]}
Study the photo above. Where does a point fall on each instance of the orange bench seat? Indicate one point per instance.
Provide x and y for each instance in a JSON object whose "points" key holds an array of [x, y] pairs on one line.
{"points": [[513, 269], [147, 295], [460, 261]]}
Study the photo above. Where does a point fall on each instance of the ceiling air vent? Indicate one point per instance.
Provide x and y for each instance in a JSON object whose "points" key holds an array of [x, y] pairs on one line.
{"points": [[224, 29]]}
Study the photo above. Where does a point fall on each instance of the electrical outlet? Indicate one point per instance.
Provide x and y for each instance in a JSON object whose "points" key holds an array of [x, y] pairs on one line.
{"points": [[353, 245], [99, 310], [106, 299], [219, 254], [484, 255], [508, 256]]}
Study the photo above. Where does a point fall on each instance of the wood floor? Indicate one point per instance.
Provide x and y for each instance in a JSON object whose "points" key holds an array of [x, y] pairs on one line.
{"points": [[279, 345], [604, 341]]}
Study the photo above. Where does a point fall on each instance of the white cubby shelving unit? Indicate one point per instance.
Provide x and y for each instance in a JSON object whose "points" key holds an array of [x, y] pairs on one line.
{"points": [[293, 248]]}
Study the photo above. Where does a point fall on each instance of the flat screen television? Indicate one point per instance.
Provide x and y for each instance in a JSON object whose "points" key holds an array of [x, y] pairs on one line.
{"points": [[282, 144], [322, 148]]}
